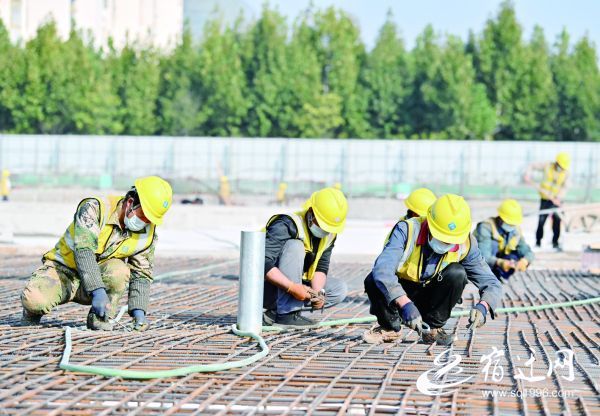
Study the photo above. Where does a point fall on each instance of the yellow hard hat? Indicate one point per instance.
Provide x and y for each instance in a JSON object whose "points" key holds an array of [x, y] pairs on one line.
{"points": [[420, 200], [338, 185], [449, 219], [5, 173], [510, 212], [564, 160], [283, 185], [156, 197], [330, 208]]}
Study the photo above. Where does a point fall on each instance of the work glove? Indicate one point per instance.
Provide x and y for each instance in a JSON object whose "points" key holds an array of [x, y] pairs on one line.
{"points": [[411, 317], [478, 316], [522, 264], [140, 322], [299, 291], [100, 303], [317, 299], [505, 264]]}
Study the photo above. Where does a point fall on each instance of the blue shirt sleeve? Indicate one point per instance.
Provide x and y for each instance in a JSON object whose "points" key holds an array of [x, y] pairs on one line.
{"points": [[384, 270], [478, 272]]}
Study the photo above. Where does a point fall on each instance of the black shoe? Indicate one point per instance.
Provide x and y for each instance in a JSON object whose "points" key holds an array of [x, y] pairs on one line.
{"points": [[294, 320], [557, 247], [538, 244], [269, 317], [439, 336], [29, 319]]}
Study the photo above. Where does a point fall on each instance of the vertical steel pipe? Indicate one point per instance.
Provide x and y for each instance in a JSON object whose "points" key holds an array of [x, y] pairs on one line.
{"points": [[252, 271]]}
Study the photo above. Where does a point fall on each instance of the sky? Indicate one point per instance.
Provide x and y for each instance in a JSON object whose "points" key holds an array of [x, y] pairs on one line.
{"points": [[579, 17]]}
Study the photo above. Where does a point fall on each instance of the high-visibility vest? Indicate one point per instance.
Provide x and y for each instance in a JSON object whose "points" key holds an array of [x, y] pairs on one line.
{"points": [[392, 230], [411, 263], [553, 181], [303, 234], [503, 246], [63, 252]]}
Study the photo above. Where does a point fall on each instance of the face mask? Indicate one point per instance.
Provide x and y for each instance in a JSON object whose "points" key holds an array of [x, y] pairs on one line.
{"points": [[315, 229], [508, 228], [134, 223], [439, 247]]}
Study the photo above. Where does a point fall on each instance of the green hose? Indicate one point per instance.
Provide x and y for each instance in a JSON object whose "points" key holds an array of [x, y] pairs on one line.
{"points": [[175, 372], [205, 368]]}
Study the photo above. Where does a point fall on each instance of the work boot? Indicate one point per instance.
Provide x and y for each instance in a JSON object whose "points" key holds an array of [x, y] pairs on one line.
{"points": [[538, 244], [269, 317], [557, 248], [29, 319], [437, 335], [379, 335], [97, 324], [294, 320]]}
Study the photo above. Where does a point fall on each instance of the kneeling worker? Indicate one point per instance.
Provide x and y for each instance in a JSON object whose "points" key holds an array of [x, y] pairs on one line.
{"points": [[422, 271], [501, 242], [297, 252], [418, 202], [108, 247]]}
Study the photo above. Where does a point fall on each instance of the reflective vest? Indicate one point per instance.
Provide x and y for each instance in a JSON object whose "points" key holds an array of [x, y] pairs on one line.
{"points": [[136, 243], [411, 263], [392, 230], [503, 247], [303, 234], [553, 181]]}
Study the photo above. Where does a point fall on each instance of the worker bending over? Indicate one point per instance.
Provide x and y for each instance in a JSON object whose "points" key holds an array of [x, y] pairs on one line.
{"points": [[297, 253], [422, 271], [108, 248], [501, 241], [552, 190]]}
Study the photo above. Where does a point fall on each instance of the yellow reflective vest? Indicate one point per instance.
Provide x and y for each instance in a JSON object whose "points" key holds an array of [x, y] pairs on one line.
{"points": [[411, 263], [304, 235], [553, 181], [63, 252], [503, 246]]}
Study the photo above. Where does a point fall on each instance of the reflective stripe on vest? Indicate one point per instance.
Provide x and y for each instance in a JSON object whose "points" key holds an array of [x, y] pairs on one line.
{"points": [[136, 243], [304, 235], [410, 264], [496, 236], [553, 181]]}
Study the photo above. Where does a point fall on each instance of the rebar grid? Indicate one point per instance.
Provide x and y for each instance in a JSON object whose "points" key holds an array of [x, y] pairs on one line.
{"points": [[323, 371]]}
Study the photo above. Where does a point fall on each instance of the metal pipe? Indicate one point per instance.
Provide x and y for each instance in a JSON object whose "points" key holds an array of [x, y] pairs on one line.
{"points": [[252, 273]]}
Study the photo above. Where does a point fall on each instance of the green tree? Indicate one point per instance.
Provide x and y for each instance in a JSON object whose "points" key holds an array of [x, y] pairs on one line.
{"points": [[342, 55], [578, 88], [501, 62], [387, 79], [135, 77], [178, 105], [223, 92], [12, 68]]}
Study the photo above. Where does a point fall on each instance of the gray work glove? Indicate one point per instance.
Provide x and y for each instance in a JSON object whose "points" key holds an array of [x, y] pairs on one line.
{"points": [[100, 303], [411, 317], [140, 321], [478, 316]]}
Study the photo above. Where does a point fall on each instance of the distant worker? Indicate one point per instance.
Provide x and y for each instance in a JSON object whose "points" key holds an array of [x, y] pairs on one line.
{"points": [[297, 253], [5, 185], [224, 191], [501, 241], [108, 247], [422, 271], [552, 190], [281, 197], [417, 204]]}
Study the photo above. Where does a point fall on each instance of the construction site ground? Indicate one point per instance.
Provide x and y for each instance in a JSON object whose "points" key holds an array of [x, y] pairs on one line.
{"points": [[319, 371]]}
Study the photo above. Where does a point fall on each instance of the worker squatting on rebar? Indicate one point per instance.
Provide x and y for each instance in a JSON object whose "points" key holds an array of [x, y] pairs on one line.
{"points": [[501, 241], [108, 248], [552, 190], [423, 269], [297, 252]]}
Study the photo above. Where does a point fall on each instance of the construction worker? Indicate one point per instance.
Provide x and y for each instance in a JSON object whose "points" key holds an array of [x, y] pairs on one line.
{"points": [[5, 184], [108, 247], [501, 242], [422, 271], [418, 202], [552, 190], [297, 253]]}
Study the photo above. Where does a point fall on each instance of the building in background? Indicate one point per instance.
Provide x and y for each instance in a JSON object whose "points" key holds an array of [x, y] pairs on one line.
{"points": [[146, 22], [198, 12]]}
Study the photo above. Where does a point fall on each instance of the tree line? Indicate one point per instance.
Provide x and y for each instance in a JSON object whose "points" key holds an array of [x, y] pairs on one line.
{"points": [[312, 78]]}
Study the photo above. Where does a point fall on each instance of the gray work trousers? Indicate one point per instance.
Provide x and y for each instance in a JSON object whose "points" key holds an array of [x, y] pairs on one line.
{"points": [[291, 264]]}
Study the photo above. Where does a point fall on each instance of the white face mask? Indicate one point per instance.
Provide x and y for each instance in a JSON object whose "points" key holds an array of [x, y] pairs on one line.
{"points": [[508, 228], [315, 229], [440, 247], [134, 223]]}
